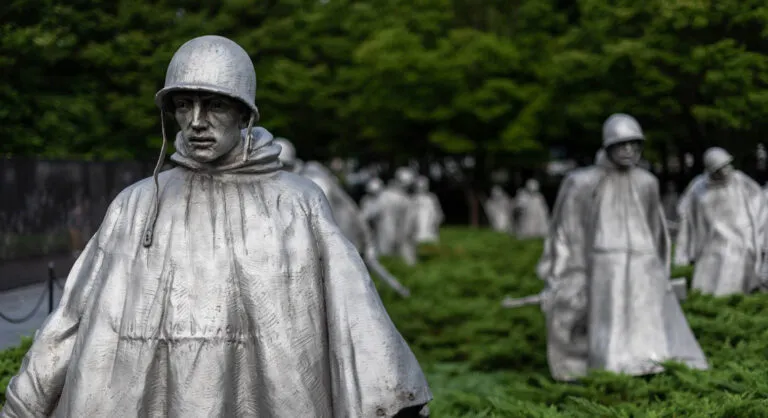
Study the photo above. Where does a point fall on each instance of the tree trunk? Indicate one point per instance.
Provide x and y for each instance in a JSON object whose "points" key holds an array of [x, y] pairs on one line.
{"points": [[473, 204]]}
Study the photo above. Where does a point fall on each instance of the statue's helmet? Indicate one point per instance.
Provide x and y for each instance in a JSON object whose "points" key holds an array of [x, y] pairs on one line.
{"points": [[621, 127], [405, 175], [374, 185], [287, 151], [212, 64], [716, 158], [422, 183], [532, 185]]}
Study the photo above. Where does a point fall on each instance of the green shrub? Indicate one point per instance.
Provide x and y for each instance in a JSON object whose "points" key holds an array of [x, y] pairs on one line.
{"points": [[10, 361], [485, 361], [14, 246]]}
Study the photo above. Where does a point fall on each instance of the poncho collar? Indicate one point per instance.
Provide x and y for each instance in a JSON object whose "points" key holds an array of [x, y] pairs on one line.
{"points": [[262, 155]]}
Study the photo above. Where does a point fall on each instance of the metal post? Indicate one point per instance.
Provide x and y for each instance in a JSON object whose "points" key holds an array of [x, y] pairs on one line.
{"points": [[51, 283]]}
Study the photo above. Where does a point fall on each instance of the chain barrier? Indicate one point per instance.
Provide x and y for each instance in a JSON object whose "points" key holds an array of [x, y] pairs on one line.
{"points": [[28, 316], [52, 281]]}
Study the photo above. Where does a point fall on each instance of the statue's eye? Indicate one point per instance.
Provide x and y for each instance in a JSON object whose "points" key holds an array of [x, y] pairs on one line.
{"points": [[219, 105], [181, 104]]}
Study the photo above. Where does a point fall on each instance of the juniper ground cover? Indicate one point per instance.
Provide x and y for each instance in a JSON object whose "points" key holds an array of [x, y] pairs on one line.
{"points": [[485, 361]]}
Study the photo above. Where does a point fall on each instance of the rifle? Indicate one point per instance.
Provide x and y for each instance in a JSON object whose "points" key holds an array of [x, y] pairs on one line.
{"points": [[373, 264], [677, 285]]}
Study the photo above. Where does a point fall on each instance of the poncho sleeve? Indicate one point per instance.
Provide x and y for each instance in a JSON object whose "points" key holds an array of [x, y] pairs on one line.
{"points": [[373, 371], [657, 221], [35, 390], [692, 229], [557, 246]]}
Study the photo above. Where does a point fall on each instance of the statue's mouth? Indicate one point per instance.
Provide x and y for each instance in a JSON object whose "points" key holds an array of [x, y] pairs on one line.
{"points": [[202, 141]]}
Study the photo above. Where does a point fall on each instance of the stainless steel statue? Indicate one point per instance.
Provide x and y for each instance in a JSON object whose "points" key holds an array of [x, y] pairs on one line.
{"points": [[345, 211], [428, 212], [219, 288], [609, 302], [394, 218], [533, 214], [498, 209], [369, 202], [669, 202], [722, 228]]}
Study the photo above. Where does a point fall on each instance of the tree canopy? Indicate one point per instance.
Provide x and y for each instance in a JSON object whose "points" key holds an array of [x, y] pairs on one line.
{"points": [[501, 80]]}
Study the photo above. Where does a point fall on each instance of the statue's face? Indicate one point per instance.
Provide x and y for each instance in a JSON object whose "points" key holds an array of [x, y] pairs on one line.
{"points": [[625, 154], [723, 173], [210, 123]]}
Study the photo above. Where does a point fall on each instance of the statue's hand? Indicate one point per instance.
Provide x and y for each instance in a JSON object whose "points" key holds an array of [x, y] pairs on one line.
{"points": [[547, 297]]}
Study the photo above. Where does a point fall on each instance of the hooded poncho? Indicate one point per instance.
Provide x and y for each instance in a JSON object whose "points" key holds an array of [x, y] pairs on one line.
{"points": [[722, 229], [606, 263], [249, 303]]}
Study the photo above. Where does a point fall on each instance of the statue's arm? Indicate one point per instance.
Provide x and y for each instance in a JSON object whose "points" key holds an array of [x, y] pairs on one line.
{"points": [[35, 390], [373, 371], [557, 246], [657, 220]]}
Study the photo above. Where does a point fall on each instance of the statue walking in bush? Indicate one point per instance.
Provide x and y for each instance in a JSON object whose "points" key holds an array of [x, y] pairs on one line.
{"points": [[609, 302], [219, 288], [394, 218], [533, 219], [722, 228]]}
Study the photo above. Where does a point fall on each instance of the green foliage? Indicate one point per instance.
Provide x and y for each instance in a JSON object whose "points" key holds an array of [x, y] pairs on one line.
{"points": [[10, 361], [16, 246], [485, 361], [397, 79]]}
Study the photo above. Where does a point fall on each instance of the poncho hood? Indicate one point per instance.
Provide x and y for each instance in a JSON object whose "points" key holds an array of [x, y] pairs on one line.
{"points": [[263, 155]]}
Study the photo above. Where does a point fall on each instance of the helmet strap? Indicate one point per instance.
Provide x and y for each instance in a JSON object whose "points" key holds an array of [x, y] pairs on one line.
{"points": [[249, 135]]}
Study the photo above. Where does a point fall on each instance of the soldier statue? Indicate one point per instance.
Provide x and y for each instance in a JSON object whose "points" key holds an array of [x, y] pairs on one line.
{"points": [[219, 288]]}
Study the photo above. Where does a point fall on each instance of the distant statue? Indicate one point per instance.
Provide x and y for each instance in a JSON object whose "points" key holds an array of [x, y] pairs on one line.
{"points": [[394, 219], [429, 213], [722, 228], [345, 211], [609, 302], [670, 200], [219, 288], [499, 208], [533, 214], [368, 204]]}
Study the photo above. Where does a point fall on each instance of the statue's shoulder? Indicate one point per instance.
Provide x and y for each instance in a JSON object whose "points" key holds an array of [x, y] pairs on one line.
{"points": [[644, 177], [583, 177], [146, 186], [748, 182], [298, 185], [316, 166]]}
